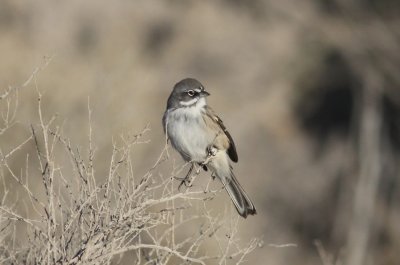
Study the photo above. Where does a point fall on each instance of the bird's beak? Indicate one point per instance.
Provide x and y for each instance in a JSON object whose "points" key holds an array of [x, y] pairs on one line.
{"points": [[204, 94]]}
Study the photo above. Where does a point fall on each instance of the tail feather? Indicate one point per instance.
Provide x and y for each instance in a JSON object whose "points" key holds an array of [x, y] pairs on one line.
{"points": [[239, 197], [222, 169]]}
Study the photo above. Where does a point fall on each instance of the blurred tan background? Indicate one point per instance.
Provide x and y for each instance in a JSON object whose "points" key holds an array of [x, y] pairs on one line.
{"points": [[308, 89]]}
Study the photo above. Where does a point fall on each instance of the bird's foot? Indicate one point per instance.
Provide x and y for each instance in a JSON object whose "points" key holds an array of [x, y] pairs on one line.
{"points": [[186, 180], [211, 152], [189, 178]]}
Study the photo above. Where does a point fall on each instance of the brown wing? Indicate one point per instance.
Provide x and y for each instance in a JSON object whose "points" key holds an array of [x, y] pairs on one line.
{"points": [[231, 149]]}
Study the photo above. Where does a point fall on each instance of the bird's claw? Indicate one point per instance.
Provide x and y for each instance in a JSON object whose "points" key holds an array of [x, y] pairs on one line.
{"points": [[187, 180], [211, 152]]}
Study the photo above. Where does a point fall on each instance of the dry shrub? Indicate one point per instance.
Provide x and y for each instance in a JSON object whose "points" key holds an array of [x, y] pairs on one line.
{"points": [[74, 216]]}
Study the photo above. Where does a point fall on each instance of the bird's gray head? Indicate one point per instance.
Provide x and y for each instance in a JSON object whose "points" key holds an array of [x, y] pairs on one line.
{"points": [[186, 93]]}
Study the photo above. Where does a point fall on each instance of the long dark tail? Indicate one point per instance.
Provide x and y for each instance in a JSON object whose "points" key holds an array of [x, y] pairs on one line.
{"points": [[239, 197], [223, 170]]}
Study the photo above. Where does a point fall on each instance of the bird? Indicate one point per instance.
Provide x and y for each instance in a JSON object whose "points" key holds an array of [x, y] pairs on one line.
{"points": [[198, 134]]}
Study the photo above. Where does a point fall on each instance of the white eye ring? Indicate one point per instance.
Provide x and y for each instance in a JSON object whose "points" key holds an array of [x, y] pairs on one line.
{"points": [[190, 93]]}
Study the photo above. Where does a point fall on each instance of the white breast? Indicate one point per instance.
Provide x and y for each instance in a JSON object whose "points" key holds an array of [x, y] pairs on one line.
{"points": [[187, 132]]}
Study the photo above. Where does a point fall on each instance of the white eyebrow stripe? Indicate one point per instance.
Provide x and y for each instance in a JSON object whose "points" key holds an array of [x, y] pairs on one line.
{"points": [[198, 90], [190, 102]]}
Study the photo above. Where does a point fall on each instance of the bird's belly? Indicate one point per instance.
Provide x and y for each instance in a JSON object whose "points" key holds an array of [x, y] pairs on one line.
{"points": [[190, 138]]}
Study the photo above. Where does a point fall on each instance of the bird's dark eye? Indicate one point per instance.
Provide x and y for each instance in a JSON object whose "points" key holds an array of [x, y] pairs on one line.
{"points": [[190, 93]]}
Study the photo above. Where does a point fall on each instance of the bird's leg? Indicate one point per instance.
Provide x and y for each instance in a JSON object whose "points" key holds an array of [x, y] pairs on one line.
{"points": [[186, 178], [193, 176], [187, 174]]}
